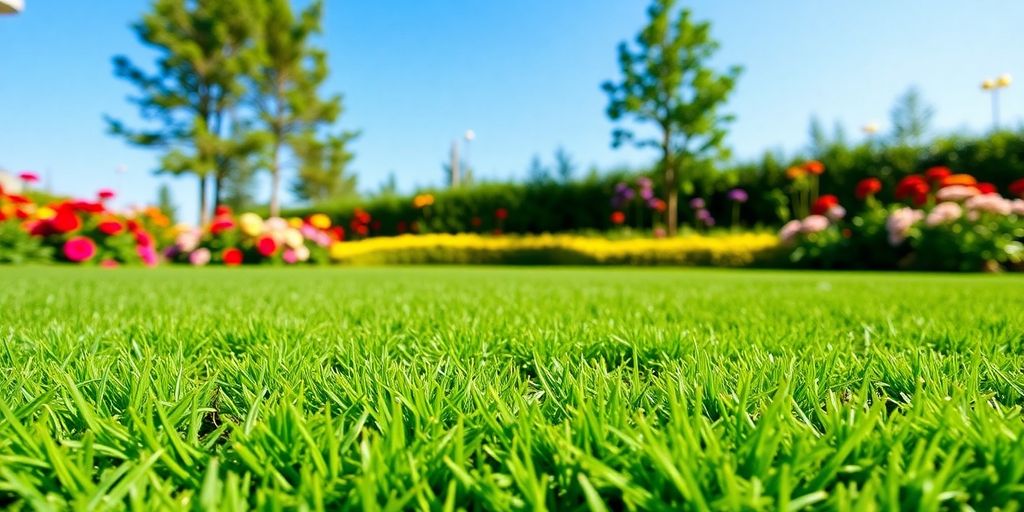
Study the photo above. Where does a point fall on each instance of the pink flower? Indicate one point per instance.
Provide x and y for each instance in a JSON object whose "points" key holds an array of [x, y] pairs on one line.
{"points": [[789, 231], [836, 213], [943, 213], [956, 193], [814, 224], [1017, 207], [105, 194], [28, 176], [199, 257], [990, 203], [899, 223], [78, 249], [187, 241], [289, 256], [148, 255]]}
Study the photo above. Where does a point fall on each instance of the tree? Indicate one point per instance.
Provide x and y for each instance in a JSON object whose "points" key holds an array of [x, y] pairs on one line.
{"points": [[165, 202], [322, 164], [287, 81], [203, 48], [564, 166], [537, 172], [819, 139], [911, 118], [666, 82]]}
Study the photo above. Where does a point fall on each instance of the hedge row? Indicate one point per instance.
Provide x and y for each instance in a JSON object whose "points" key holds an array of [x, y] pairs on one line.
{"points": [[551, 207]]}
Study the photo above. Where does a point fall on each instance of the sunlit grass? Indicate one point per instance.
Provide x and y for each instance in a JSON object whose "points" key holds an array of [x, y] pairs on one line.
{"points": [[494, 388]]}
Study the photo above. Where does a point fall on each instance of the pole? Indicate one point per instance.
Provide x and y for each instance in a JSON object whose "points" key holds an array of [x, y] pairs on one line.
{"points": [[995, 109], [454, 179]]}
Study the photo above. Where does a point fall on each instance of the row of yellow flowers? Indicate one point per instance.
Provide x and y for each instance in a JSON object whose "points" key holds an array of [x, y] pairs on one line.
{"points": [[724, 250]]}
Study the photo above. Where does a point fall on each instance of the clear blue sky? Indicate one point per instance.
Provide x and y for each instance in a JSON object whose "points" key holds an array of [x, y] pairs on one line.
{"points": [[524, 75]]}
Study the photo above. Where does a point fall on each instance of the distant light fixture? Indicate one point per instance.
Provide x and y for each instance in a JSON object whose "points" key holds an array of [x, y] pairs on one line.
{"points": [[11, 6], [470, 135], [871, 128]]}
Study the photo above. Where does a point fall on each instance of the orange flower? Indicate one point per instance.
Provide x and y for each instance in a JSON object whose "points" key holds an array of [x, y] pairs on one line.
{"points": [[795, 173], [959, 179], [814, 167]]}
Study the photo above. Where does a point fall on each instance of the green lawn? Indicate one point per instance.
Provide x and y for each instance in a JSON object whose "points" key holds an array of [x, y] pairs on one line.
{"points": [[496, 388]]}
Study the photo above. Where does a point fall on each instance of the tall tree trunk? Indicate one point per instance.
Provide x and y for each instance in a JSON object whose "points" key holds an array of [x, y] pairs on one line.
{"points": [[671, 183], [204, 210], [218, 189], [275, 179]]}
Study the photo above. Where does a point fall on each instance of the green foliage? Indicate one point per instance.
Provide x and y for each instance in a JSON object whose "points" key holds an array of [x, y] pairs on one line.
{"points": [[203, 50], [666, 82], [17, 246], [286, 82], [499, 389], [532, 208], [911, 118], [165, 202]]}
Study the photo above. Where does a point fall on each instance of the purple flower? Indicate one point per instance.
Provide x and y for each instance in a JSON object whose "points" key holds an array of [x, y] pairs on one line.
{"points": [[646, 187], [697, 203], [623, 194], [705, 217], [737, 195]]}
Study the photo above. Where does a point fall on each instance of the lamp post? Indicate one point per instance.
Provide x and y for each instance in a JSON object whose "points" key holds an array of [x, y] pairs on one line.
{"points": [[993, 85], [11, 6], [870, 129], [455, 178]]}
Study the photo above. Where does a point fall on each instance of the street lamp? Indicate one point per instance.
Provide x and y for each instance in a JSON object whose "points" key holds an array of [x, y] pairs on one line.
{"points": [[993, 85], [11, 6], [455, 178]]}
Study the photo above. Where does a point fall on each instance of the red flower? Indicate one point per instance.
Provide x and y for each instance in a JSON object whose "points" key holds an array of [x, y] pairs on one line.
{"points": [[476, 222], [913, 187], [221, 210], [133, 225], [231, 256], [221, 225], [814, 167], [937, 174], [618, 218], [105, 194], [110, 227], [501, 214], [79, 249], [65, 221], [1017, 188], [85, 206], [987, 188], [868, 187], [16, 199], [266, 246], [339, 233], [401, 227], [143, 239], [28, 176], [824, 204]]}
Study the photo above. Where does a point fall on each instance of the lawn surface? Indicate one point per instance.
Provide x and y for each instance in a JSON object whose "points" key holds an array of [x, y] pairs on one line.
{"points": [[502, 389]]}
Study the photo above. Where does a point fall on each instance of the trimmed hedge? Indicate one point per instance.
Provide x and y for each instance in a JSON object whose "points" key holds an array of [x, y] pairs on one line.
{"points": [[728, 250]]}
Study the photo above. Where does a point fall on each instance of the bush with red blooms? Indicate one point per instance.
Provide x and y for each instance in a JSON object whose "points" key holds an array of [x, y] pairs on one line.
{"points": [[245, 239], [942, 221], [75, 231]]}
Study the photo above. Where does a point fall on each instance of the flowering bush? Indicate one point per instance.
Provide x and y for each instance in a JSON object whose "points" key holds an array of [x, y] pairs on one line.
{"points": [[943, 221], [249, 239], [75, 231]]}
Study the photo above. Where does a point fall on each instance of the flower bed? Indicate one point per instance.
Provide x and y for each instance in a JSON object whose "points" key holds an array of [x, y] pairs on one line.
{"points": [[940, 221], [727, 250], [77, 231]]}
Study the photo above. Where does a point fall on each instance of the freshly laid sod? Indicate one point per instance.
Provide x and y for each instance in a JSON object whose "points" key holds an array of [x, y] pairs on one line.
{"points": [[509, 389]]}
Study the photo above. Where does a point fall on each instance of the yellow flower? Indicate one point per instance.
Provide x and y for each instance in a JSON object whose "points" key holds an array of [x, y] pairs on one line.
{"points": [[337, 250], [423, 200], [45, 213], [795, 172], [293, 238], [250, 224], [295, 222], [320, 221]]}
